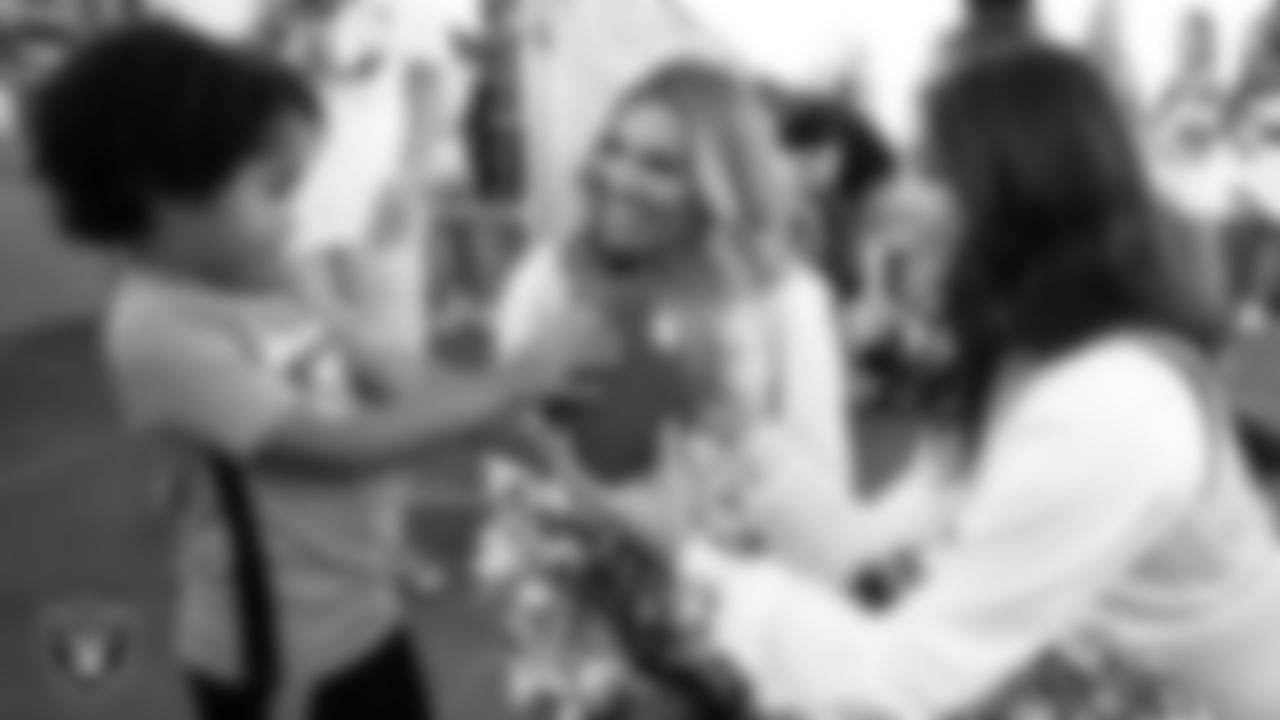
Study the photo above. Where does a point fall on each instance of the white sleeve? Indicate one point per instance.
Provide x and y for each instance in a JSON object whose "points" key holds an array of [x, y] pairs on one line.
{"points": [[531, 297], [1076, 484], [805, 500], [814, 400]]}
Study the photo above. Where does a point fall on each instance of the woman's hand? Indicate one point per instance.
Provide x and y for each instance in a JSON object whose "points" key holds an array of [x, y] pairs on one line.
{"points": [[765, 497], [656, 513]]}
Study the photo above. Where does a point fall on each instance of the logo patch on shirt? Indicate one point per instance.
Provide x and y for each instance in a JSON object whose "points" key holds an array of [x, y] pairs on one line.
{"points": [[89, 649]]}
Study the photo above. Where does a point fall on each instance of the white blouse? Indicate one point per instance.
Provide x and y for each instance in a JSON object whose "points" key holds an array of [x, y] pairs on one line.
{"points": [[1104, 505], [793, 362]]}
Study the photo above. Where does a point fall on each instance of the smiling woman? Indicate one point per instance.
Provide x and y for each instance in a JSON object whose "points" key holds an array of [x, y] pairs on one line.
{"points": [[689, 249]]}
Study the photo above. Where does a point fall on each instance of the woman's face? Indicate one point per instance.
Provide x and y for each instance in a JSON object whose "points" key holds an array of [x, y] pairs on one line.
{"points": [[912, 234], [640, 192]]}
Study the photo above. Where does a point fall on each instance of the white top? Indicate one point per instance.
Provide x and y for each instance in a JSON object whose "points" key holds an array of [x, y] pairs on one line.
{"points": [[786, 357], [224, 372], [1100, 507]]}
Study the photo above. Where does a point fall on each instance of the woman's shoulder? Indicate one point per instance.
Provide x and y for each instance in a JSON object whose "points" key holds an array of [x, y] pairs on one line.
{"points": [[537, 286], [542, 263], [799, 286], [540, 273], [1122, 370], [1136, 394]]}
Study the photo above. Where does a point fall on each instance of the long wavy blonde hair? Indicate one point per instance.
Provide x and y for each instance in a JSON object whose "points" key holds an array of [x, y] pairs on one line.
{"points": [[739, 167]]}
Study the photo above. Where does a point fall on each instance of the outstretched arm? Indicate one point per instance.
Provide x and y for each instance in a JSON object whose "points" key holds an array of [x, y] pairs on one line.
{"points": [[1064, 503]]}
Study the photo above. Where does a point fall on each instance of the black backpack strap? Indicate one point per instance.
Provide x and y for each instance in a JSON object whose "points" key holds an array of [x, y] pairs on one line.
{"points": [[260, 660], [1261, 446]]}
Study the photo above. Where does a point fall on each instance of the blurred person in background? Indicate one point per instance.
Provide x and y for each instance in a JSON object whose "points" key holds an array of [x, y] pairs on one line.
{"points": [[1255, 241], [846, 171], [989, 24], [903, 218], [363, 231], [842, 160], [1196, 162]]}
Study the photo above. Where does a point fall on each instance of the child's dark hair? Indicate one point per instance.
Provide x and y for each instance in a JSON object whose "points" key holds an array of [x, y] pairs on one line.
{"points": [[151, 111]]}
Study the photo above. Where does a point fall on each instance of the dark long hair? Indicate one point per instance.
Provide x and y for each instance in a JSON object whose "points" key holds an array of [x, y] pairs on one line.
{"points": [[865, 161], [1062, 239]]}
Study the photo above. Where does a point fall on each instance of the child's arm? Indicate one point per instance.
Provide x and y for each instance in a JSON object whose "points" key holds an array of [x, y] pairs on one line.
{"points": [[449, 412], [197, 384]]}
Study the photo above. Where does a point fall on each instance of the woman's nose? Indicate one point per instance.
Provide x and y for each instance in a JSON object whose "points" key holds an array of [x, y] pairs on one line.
{"points": [[615, 176]]}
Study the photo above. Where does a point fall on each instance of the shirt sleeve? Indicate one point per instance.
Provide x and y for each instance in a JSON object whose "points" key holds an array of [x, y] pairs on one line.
{"points": [[1076, 484], [805, 499], [815, 396], [528, 300], [199, 385]]}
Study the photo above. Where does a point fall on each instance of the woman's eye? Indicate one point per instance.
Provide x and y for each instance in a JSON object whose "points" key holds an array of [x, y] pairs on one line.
{"points": [[662, 163]]}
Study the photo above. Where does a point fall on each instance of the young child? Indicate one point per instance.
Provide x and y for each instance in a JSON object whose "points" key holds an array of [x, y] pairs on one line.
{"points": [[177, 156]]}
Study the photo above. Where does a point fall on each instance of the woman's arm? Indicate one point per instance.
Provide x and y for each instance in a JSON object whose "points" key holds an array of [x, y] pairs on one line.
{"points": [[1077, 482], [530, 299], [805, 501], [814, 378]]}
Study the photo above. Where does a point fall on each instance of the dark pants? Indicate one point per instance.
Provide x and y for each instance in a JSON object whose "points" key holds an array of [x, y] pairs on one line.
{"points": [[388, 684]]}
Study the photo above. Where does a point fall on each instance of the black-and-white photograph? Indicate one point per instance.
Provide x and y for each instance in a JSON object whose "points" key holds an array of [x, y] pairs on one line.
{"points": [[639, 359]]}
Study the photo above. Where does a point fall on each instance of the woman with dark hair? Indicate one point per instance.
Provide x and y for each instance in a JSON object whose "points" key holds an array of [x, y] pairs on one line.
{"points": [[1103, 501]]}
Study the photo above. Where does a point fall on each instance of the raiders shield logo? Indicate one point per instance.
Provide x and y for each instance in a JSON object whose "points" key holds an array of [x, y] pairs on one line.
{"points": [[89, 648]]}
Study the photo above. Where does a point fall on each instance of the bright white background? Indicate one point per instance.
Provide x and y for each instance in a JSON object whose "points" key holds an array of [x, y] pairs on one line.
{"points": [[798, 40], [805, 39], [599, 47]]}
